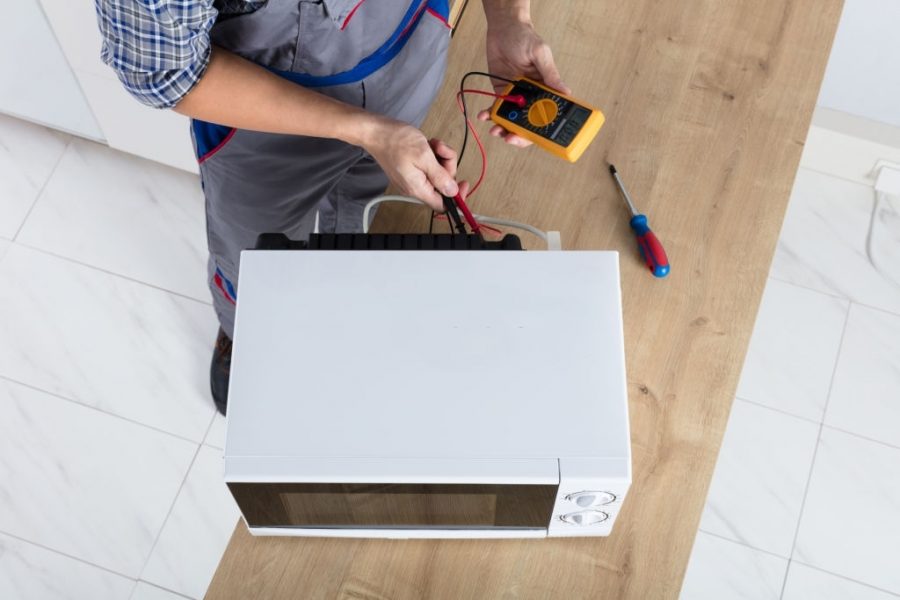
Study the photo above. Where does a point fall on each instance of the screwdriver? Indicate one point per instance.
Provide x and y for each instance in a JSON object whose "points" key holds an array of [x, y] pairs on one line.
{"points": [[651, 250]]}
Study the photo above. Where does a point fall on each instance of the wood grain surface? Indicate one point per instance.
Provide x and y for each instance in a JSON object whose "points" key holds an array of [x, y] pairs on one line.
{"points": [[708, 103]]}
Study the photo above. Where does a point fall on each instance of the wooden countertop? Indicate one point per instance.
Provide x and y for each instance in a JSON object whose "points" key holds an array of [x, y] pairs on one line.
{"points": [[708, 105]]}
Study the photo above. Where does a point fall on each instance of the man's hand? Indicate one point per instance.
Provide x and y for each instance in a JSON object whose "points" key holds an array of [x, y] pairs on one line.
{"points": [[514, 49], [416, 165]]}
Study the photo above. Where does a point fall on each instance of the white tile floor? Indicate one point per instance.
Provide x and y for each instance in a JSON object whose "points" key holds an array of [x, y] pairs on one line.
{"points": [[805, 500], [109, 447]]}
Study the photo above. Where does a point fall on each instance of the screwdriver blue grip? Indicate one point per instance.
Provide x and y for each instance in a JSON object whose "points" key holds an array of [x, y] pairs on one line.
{"points": [[651, 250]]}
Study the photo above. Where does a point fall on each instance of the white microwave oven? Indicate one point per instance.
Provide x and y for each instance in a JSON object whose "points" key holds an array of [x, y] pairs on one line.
{"points": [[428, 394]]}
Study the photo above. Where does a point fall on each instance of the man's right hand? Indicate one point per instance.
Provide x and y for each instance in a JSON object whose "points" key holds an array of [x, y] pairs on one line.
{"points": [[418, 166]]}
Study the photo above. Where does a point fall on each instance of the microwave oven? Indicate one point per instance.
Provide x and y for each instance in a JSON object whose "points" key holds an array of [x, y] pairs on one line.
{"points": [[428, 394]]}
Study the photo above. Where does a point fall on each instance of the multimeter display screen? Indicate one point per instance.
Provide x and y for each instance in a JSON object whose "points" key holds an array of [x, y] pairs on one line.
{"points": [[545, 114]]}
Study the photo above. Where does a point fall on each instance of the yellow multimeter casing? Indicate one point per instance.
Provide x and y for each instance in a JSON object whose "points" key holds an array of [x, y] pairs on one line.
{"points": [[559, 124]]}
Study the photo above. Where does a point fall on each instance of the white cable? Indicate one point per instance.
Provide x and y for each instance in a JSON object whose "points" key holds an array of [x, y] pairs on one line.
{"points": [[388, 198], [885, 210], [553, 242], [884, 215], [513, 224]]}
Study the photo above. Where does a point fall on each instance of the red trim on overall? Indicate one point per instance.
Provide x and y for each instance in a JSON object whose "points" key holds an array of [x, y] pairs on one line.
{"points": [[217, 148], [439, 16], [415, 19], [218, 279], [351, 13]]}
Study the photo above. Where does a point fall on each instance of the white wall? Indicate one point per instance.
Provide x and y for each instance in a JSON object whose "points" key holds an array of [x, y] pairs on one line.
{"points": [[863, 74]]}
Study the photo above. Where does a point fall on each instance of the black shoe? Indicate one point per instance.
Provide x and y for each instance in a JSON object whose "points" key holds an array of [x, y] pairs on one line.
{"points": [[220, 371]]}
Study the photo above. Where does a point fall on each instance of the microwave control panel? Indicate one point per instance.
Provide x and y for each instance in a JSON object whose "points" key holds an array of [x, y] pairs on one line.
{"points": [[585, 504], [583, 512]]}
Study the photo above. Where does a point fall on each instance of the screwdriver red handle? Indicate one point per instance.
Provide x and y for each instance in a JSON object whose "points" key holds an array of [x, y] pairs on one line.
{"points": [[652, 251]]}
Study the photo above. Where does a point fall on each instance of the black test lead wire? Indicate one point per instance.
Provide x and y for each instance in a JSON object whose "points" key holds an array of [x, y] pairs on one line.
{"points": [[462, 87], [453, 215], [462, 151]]}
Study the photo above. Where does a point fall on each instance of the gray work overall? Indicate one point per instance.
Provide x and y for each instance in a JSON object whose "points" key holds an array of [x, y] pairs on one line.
{"points": [[387, 56]]}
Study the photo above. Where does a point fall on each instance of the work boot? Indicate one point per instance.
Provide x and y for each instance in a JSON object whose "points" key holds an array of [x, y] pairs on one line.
{"points": [[220, 371]]}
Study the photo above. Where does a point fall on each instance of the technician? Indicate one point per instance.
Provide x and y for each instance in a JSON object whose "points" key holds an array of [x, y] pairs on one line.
{"points": [[303, 107]]}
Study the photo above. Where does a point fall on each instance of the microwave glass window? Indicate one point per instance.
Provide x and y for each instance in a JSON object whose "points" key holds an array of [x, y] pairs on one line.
{"points": [[395, 505]]}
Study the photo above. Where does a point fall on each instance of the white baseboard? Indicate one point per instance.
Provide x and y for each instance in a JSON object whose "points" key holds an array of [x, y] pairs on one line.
{"points": [[848, 146]]}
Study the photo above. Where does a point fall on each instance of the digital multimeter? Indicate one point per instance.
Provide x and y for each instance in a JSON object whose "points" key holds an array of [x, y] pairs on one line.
{"points": [[557, 123]]}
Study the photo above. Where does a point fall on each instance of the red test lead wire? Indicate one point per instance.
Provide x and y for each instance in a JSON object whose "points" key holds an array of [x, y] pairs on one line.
{"points": [[459, 102], [517, 99], [470, 218]]}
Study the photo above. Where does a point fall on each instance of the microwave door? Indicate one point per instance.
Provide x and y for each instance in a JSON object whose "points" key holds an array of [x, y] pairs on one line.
{"points": [[395, 505]]}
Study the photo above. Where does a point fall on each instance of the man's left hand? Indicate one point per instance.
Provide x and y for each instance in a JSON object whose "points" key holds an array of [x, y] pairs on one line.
{"points": [[514, 49]]}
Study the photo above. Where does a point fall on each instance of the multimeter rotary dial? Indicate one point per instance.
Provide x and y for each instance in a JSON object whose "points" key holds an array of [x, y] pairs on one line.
{"points": [[543, 112]]}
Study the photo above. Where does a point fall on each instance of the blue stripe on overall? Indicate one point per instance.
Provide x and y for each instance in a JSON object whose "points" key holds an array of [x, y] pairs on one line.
{"points": [[209, 136]]}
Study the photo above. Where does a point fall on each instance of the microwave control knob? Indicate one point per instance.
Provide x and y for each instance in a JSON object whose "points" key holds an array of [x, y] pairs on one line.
{"points": [[588, 498], [585, 517]]}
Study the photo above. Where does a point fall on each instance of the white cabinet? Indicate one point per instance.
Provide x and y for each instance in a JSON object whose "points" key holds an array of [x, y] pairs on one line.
{"points": [[160, 135], [36, 82]]}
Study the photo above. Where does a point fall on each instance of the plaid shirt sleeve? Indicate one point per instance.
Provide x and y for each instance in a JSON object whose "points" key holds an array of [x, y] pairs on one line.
{"points": [[159, 49]]}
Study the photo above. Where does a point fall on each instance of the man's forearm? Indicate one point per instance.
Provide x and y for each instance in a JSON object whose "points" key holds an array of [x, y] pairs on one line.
{"points": [[238, 93], [497, 10]]}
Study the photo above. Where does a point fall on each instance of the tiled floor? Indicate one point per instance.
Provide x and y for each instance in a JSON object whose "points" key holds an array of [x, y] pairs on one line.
{"points": [[110, 482], [109, 448], [805, 500]]}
